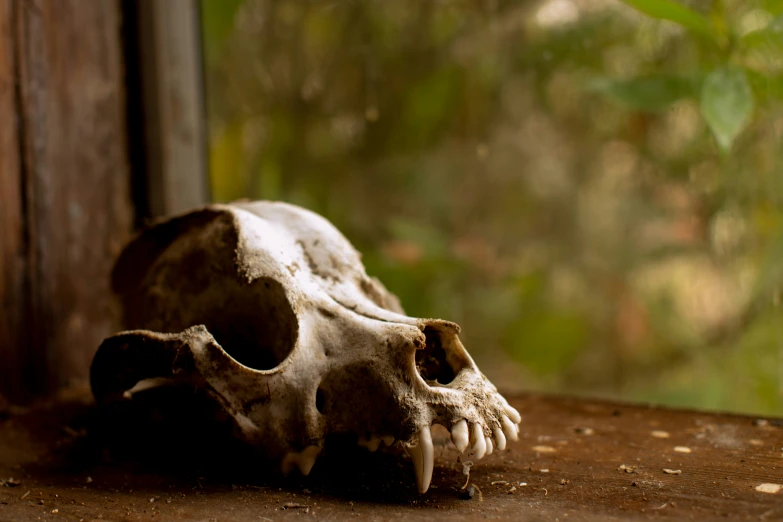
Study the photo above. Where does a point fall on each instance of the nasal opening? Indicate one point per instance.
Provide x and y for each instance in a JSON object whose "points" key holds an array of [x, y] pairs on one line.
{"points": [[442, 357]]}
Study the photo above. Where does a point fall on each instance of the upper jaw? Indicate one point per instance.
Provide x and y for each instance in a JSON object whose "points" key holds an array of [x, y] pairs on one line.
{"points": [[478, 418], [475, 430], [458, 397]]}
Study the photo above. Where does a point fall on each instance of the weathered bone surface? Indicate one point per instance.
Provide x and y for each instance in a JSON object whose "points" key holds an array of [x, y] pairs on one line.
{"points": [[268, 308]]}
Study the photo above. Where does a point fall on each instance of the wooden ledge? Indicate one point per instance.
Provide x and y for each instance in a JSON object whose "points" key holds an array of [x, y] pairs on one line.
{"points": [[576, 460]]}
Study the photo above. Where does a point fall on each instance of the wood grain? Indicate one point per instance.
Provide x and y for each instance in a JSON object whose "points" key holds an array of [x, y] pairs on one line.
{"points": [[12, 231], [72, 203], [156, 456]]}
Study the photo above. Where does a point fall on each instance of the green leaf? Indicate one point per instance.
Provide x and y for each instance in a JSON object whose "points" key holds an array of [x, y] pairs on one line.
{"points": [[648, 93], [726, 104], [774, 7], [766, 87], [767, 38], [674, 12]]}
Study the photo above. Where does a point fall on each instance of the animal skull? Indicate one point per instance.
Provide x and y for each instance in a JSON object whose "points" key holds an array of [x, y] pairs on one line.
{"points": [[268, 308]]}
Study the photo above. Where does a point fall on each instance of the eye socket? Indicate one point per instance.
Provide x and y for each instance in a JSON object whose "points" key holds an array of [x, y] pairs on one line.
{"points": [[185, 273], [431, 361], [255, 325]]}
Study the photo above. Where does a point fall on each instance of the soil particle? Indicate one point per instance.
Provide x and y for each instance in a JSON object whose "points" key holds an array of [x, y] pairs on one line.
{"points": [[769, 488], [469, 492]]}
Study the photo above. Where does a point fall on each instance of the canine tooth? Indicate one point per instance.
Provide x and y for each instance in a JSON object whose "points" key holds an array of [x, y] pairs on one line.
{"points": [[509, 428], [490, 447], [418, 462], [303, 460], [513, 414], [388, 439], [428, 454], [459, 435], [500, 439], [479, 444], [423, 457]]}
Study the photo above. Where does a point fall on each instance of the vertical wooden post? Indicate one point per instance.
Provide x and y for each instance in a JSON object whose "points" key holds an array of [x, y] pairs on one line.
{"points": [[13, 268], [65, 208], [170, 67]]}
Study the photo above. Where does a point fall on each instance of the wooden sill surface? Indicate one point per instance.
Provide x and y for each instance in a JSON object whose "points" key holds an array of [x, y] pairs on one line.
{"points": [[576, 460]]}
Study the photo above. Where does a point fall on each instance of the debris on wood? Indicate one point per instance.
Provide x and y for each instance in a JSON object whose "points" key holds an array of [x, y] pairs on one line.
{"points": [[466, 471], [24, 496], [584, 431], [470, 492], [543, 470], [627, 468], [761, 423], [501, 482], [682, 449], [564, 482], [660, 434], [544, 449], [10, 482], [294, 505], [672, 471], [769, 488], [74, 433], [512, 490]]}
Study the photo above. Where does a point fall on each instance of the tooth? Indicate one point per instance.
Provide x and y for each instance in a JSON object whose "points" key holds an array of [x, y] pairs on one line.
{"points": [[509, 428], [428, 452], [512, 414], [371, 444], [388, 439], [500, 439], [307, 459], [374, 443], [418, 462], [459, 435], [490, 448], [303, 460], [423, 457], [477, 439]]}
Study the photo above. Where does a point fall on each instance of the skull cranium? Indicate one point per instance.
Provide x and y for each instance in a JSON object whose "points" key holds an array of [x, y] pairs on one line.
{"points": [[268, 308]]}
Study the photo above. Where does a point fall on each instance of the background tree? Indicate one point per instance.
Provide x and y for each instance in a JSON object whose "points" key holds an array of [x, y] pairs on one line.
{"points": [[591, 188]]}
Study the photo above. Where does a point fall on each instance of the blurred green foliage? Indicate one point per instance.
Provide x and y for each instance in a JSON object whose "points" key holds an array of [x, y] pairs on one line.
{"points": [[593, 189]]}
